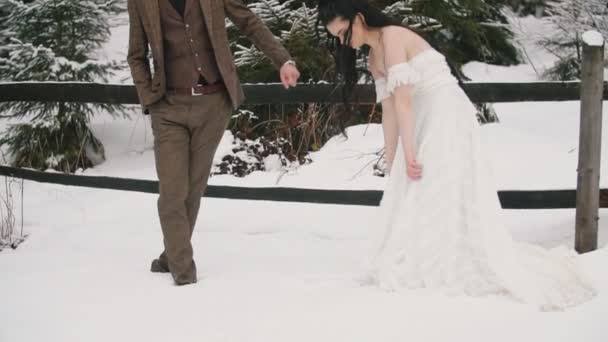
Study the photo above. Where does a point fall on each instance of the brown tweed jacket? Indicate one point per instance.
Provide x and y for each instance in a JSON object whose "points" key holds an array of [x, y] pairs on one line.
{"points": [[145, 34]]}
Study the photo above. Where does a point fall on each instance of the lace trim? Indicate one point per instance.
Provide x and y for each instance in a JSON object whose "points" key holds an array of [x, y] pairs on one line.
{"points": [[398, 75], [401, 74]]}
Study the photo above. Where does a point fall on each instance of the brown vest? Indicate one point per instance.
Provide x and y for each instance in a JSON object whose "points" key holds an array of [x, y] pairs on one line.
{"points": [[187, 48]]}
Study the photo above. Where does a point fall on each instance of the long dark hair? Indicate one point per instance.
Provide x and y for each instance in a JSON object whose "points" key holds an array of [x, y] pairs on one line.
{"points": [[344, 55]]}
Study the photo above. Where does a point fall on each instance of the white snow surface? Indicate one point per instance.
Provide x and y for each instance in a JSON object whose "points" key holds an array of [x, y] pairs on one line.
{"points": [[284, 272], [593, 38]]}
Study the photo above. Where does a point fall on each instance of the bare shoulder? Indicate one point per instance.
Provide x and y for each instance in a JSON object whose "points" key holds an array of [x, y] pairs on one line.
{"points": [[396, 34], [404, 39]]}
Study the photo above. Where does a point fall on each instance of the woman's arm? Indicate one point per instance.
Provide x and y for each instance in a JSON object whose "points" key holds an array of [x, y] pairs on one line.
{"points": [[390, 127], [398, 79]]}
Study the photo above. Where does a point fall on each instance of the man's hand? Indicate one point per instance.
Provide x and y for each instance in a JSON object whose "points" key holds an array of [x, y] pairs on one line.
{"points": [[289, 75]]}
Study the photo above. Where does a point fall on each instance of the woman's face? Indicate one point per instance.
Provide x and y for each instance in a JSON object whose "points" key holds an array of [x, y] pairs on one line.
{"points": [[339, 27]]}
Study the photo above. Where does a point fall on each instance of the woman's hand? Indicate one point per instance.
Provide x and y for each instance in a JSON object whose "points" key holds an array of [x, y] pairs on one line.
{"points": [[413, 168]]}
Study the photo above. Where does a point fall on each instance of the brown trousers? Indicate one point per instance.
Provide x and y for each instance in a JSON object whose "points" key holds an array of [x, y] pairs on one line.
{"points": [[187, 131]]}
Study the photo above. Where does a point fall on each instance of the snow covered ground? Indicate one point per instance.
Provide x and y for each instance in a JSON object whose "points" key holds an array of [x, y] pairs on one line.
{"points": [[284, 271]]}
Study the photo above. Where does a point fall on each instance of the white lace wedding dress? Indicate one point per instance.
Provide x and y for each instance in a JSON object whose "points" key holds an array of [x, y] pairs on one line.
{"points": [[445, 230]]}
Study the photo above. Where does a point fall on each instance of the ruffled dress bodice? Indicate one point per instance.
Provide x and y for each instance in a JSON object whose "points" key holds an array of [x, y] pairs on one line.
{"points": [[424, 72]]}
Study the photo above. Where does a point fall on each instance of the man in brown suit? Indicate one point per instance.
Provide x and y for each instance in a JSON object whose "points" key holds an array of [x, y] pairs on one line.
{"points": [[190, 94]]}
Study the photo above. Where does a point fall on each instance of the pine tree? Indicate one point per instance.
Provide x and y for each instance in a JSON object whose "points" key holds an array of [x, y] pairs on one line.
{"points": [[572, 18], [293, 23], [469, 30], [528, 7], [52, 40], [465, 30], [291, 130]]}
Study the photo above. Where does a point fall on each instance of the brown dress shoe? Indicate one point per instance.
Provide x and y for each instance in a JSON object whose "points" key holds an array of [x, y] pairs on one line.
{"points": [[159, 267], [181, 282], [186, 278]]}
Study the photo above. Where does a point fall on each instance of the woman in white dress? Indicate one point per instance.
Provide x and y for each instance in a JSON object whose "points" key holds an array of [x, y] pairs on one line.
{"points": [[440, 222]]}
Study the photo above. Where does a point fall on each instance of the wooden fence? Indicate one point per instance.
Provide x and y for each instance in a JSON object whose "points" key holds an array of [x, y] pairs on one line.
{"points": [[587, 198]]}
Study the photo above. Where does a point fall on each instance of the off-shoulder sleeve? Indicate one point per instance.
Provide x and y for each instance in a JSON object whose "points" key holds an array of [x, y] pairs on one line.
{"points": [[400, 74]]}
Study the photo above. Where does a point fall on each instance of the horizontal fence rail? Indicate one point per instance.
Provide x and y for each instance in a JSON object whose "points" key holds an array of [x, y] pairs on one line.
{"points": [[546, 199], [276, 94]]}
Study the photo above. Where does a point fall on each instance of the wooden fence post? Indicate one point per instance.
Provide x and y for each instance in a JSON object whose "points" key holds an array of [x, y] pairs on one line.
{"points": [[590, 137]]}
